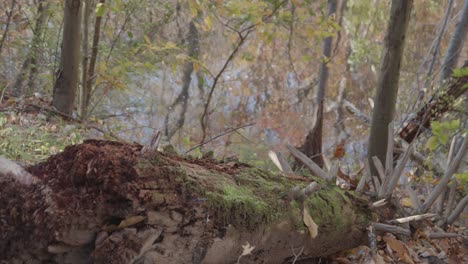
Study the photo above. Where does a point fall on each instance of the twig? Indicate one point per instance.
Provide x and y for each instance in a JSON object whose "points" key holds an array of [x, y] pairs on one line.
{"points": [[243, 34], [220, 135], [379, 203], [296, 256], [411, 218], [203, 120]]}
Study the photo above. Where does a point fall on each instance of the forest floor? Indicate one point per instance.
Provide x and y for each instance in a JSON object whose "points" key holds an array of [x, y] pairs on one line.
{"points": [[112, 174]]}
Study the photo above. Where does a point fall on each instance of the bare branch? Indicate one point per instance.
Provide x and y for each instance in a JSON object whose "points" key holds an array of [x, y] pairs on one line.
{"points": [[308, 162], [391, 229], [220, 135], [398, 171]]}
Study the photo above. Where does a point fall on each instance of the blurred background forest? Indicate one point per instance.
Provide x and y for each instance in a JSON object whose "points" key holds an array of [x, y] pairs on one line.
{"points": [[194, 69]]}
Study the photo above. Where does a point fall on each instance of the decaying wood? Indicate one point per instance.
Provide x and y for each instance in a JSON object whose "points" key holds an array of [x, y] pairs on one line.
{"points": [[106, 202], [433, 109]]}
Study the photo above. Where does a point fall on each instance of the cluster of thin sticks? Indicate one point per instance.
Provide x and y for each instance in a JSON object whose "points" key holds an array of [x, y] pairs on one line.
{"points": [[388, 178]]}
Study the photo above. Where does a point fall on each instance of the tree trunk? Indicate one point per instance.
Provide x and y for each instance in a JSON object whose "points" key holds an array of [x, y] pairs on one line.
{"points": [[67, 76], [193, 45], [30, 63], [455, 45], [92, 63], [313, 143], [84, 64], [387, 85], [106, 202], [7, 24]]}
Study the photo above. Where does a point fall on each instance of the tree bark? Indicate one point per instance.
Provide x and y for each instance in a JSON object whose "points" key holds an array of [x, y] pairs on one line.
{"points": [[387, 85], [92, 62], [67, 76], [313, 143], [7, 24], [106, 202], [455, 45], [84, 64], [193, 45], [433, 109], [29, 67]]}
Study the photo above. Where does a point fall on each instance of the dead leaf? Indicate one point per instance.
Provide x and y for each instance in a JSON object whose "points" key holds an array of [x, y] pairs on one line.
{"points": [[399, 248], [247, 249], [311, 225], [339, 151]]}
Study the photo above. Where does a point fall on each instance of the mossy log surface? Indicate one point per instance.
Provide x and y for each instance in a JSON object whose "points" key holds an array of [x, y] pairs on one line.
{"points": [[105, 202]]}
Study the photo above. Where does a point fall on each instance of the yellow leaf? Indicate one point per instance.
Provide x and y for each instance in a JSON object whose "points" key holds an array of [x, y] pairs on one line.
{"points": [[309, 222], [196, 66], [147, 40], [406, 202], [132, 220], [208, 23]]}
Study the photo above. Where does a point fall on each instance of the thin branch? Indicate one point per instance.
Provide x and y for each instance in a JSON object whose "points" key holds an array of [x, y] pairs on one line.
{"points": [[411, 218], [7, 26], [243, 34], [220, 135]]}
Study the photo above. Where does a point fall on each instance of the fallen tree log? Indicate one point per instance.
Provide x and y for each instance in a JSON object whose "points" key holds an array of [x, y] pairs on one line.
{"points": [[434, 108], [105, 202]]}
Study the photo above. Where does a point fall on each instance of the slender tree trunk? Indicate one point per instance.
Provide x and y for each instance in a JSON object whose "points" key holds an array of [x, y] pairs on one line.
{"points": [[92, 62], [7, 25], [387, 85], [455, 45], [313, 144], [30, 63], [84, 63], [193, 44], [67, 76]]}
